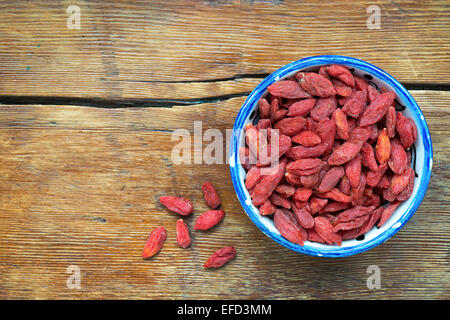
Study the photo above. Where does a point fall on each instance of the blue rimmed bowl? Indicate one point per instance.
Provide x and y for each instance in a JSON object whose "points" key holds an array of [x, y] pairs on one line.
{"points": [[422, 156]]}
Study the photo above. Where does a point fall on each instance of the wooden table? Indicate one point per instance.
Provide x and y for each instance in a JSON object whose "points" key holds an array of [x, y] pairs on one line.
{"points": [[86, 122]]}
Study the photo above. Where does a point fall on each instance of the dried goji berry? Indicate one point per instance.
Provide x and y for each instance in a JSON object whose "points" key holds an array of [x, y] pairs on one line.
{"points": [[341, 88], [383, 147], [267, 208], [183, 238], [387, 212], [336, 206], [408, 190], [280, 201], [372, 93], [345, 186], [253, 177], [263, 124], [264, 108], [264, 188], [305, 167], [285, 190], [399, 182], [289, 89], [315, 84], [302, 194], [211, 196], [220, 257], [360, 83], [278, 146], [357, 193], [331, 179], [353, 170], [307, 139], [324, 229], [398, 160], [336, 195], [355, 223], [341, 73], [209, 219], [289, 228], [368, 157], [324, 108], [290, 126], [316, 204], [244, 159], [355, 103], [351, 214], [360, 133], [154, 242], [340, 119], [303, 216], [391, 121], [373, 177], [178, 205], [377, 109], [301, 108], [406, 130], [345, 152], [293, 179], [374, 216], [350, 234], [310, 181], [313, 236]]}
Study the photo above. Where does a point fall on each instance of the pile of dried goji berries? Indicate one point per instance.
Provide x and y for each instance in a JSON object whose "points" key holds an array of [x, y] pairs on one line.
{"points": [[205, 221], [343, 151]]}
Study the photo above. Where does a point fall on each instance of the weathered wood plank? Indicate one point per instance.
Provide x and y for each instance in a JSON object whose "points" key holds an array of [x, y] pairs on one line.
{"points": [[130, 49], [80, 187]]}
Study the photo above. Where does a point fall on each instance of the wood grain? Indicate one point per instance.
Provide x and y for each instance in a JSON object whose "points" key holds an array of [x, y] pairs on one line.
{"points": [[80, 187], [155, 49]]}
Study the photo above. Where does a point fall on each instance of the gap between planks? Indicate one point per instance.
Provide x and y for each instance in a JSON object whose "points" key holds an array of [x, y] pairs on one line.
{"points": [[166, 103]]}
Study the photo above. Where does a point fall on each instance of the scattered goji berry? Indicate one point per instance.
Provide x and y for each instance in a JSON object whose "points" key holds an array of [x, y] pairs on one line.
{"points": [[178, 205], [154, 242], [209, 219], [183, 238], [211, 196], [220, 257]]}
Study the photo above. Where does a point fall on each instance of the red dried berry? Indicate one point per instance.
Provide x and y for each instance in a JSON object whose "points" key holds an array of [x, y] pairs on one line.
{"points": [[289, 228], [307, 139], [209, 219], [178, 205], [301, 108], [341, 73], [324, 229], [289, 89], [211, 196], [315, 84], [220, 257], [183, 238], [331, 179], [154, 242]]}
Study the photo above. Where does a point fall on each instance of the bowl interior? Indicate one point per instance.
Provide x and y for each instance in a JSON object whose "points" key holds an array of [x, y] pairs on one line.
{"points": [[421, 156]]}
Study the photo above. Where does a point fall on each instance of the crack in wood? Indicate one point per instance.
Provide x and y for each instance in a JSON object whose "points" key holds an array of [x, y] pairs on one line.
{"points": [[235, 77], [114, 103], [111, 103]]}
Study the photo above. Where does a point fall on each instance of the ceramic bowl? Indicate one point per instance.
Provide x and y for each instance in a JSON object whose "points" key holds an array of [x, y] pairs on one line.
{"points": [[422, 156]]}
